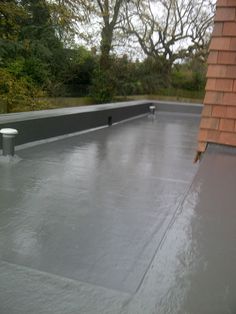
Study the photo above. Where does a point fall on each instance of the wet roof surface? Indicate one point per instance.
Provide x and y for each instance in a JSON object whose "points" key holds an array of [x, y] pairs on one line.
{"points": [[104, 222]]}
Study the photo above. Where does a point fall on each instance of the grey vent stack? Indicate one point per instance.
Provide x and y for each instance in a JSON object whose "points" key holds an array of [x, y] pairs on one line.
{"points": [[8, 141]]}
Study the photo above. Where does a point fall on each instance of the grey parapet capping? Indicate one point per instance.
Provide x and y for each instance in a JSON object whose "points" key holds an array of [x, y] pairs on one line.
{"points": [[178, 107], [40, 125], [8, 141]]}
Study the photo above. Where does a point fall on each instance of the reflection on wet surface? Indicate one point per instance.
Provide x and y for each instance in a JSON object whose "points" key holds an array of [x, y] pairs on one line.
{"points": [[93, 207], [194, 270], [117, 209]]}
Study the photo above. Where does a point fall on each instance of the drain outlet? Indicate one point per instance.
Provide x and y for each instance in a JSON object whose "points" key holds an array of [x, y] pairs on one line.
{"points": [[109, 121]]}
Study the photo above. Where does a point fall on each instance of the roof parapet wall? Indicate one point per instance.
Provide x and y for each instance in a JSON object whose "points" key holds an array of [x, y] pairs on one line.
{"points": [[218, 123]]}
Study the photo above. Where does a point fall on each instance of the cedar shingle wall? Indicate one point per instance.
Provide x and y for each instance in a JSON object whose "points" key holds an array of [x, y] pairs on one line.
{"points": [[218, 123]]}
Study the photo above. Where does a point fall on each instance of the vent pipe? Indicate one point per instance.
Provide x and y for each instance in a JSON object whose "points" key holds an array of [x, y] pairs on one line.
{"points": [[8, 141], [152, 109]]}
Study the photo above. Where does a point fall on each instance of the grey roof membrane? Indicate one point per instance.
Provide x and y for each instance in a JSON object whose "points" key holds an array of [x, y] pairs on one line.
{"points": [[118, 221]]}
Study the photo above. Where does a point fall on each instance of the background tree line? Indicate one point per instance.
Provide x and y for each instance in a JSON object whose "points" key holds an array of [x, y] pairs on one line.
{"points": [[101, 49]]}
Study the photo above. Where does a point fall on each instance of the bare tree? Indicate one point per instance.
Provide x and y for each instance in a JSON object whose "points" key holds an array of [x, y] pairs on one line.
{"points": [[102, 20], [170, 29], [110, 13]]}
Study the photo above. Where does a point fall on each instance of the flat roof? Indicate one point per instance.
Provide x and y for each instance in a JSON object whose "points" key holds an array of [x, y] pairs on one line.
{"points": [[109, 222]]}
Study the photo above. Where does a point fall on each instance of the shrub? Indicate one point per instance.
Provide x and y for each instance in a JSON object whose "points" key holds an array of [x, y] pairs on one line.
{"points": [[103, 87], [16, 92]]}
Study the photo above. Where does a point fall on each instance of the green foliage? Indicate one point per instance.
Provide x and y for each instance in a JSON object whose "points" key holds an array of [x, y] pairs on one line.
{"points": [[36, 70], [103, 86], [13, 15], [126, 75], [36, 61], [78, 72], [121, 78], [16, 91], [181, 93], [154, 74], [189, 76], [31, 54]]}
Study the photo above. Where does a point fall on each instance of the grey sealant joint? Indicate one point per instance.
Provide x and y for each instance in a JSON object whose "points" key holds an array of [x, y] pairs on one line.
{"points": [[8, 141]]}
